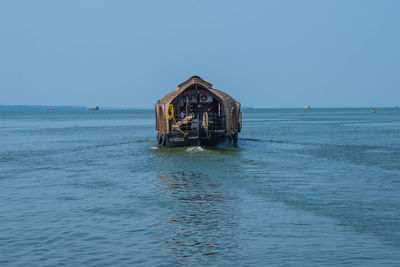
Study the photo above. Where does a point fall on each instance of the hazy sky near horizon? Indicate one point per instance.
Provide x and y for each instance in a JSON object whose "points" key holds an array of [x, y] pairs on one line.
{"points": [[328, 53]]}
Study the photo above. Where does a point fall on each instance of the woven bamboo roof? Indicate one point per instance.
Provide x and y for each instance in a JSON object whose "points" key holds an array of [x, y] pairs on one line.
{"points": [[194, 80]]}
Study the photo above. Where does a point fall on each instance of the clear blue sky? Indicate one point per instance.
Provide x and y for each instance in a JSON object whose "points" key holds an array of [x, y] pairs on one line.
{"points": [[264, 53]]}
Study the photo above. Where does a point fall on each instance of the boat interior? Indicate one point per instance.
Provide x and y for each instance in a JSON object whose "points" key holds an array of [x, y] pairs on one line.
{"points": [[197, 109]]}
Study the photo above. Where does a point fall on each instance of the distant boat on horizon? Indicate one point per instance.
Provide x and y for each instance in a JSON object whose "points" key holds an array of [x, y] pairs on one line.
{"points": [[94, 108], [306, 107]]}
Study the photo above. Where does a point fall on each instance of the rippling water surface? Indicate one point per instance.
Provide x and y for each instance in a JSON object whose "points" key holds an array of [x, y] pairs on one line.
{"points": [[303, 187]]}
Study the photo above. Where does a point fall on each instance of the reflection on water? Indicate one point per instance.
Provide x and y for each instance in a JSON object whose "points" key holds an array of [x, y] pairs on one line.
{"points": [[203, 218]]}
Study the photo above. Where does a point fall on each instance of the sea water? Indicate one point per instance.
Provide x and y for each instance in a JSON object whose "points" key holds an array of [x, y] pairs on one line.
{"points": [[318, 187]]}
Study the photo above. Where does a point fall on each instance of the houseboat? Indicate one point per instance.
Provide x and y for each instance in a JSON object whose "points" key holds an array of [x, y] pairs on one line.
{"points": [[197, 114]]}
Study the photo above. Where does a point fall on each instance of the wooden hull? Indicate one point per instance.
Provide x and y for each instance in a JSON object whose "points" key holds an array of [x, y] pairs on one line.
{"points": [[203, 138]]}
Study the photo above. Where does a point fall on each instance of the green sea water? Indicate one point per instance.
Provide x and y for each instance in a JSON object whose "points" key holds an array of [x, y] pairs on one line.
{"points": [[317, 187]]}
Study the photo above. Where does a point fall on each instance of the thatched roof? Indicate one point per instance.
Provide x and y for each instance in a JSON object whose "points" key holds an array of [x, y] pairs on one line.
{"points": [[192, 80], [167, 99]]}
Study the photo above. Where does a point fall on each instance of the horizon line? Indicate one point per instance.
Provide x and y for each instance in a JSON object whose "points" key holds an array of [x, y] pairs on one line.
{"points": [[131, 107]]}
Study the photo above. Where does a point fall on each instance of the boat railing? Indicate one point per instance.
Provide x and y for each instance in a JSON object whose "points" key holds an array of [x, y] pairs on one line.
{"points": [[215, 122]]}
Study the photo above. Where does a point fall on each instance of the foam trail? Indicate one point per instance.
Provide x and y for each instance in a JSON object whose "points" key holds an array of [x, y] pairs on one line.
{"points": [[195, 149]]}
